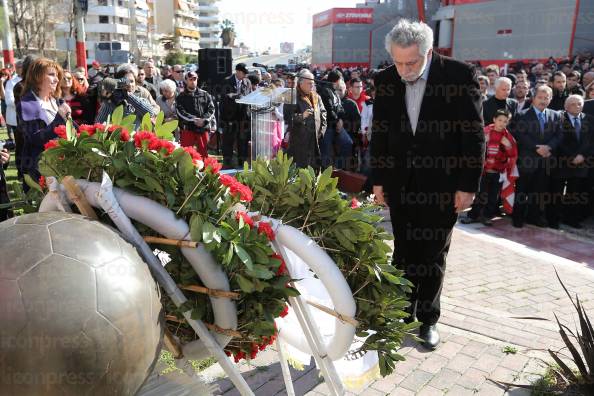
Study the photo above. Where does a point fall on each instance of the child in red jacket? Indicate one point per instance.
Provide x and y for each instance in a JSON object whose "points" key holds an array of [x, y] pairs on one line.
{"points": [[501, 156]]}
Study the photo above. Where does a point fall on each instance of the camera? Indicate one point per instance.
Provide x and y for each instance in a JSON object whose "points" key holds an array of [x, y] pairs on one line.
{"points": [[8, 145]]}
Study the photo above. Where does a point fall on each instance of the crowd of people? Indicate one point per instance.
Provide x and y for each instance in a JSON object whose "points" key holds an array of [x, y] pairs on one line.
{"points": [[539, 122]]}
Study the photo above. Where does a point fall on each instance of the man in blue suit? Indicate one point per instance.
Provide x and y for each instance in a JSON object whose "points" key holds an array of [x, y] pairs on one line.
{"points": [[537, 131]]}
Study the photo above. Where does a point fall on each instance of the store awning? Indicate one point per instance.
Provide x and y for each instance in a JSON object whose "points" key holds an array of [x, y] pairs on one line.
{"points": [[188, 33]]}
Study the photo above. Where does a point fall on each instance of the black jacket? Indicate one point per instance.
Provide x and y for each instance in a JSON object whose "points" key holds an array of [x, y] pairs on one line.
{"points": [[194, 104], [4, 213], [352, 117], [229, 109], [332, 103], [526, 130], [491, 105], [447, 151], [558, 101], [570, 146], [589, 107]]}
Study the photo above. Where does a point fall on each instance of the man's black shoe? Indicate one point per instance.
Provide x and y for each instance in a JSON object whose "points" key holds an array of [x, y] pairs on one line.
{"points": [[574, 224], [517, 223], [430, 336]]}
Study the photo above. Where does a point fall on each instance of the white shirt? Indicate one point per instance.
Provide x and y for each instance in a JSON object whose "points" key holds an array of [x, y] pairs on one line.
{"points": [[11, 116], [50, 107], [414, 96], [366, 119]]}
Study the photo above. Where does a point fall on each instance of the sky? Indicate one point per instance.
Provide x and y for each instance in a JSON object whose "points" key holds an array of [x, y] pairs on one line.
{"points": [[266, 23]]}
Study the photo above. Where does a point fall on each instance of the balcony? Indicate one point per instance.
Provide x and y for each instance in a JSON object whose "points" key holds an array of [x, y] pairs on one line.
{"points": [[209, 29], [209, 40], [189, 45], [209, 9], [107, 28], [116, 11], [213, 19], [187, 14]]}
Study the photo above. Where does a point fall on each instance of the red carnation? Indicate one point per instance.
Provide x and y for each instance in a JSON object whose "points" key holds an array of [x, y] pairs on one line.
{"points": [[246, 218], [50, 145], [354, 203], [89, 129], [236, 188], [266, 228], [285, 311], [99, 127], [42, 182], [167, 145], [193, 153], [60, 130], [142, 136], [227, 180], [124, 135], [215, 166], [154, 144], [245, 193], [282, 269]]}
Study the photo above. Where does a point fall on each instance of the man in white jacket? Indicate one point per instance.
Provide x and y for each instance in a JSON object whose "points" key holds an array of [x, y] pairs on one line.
{"points": [[11, 117]]}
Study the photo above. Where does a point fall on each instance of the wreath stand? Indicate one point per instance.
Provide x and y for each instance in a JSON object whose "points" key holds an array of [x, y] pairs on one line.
{"points": [[87, 195]]}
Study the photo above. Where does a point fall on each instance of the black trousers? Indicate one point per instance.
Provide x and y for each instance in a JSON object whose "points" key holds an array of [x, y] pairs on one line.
{"points": [[486, 201], [570, 200], [236, 131], [533, 193], [422, 223]]}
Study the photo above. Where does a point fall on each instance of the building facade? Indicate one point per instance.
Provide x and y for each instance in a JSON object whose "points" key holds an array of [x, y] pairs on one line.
{"points": [[483, 31]]}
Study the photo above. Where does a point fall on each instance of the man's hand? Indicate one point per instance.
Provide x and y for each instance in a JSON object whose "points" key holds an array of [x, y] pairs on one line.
{"points": [[378, 191], [543, 150], [4, 156], [463, 201], [64, 110], [199, 122], [578, 159], [307, 113]]}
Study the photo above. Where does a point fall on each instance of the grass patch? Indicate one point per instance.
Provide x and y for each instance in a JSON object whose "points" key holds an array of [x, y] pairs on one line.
{"points": [[509, 350]]}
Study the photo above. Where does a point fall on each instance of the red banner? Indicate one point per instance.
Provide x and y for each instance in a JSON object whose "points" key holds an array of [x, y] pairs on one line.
{"points": [[343, 16]]}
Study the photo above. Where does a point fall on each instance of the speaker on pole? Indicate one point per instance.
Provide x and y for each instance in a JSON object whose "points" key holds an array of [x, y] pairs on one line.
{"points": [[214, 65]]}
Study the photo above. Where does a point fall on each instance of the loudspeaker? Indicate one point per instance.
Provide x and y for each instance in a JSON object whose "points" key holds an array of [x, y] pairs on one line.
{"points": [[214, 65]]}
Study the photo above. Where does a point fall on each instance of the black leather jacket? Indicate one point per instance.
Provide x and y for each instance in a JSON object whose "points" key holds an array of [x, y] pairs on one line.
{"points": [[332, 103]]}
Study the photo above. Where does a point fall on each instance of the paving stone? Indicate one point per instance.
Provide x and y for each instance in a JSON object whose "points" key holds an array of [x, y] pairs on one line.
{"points": [[460, 363], [472, 378], [416, 380], [445, 379]]}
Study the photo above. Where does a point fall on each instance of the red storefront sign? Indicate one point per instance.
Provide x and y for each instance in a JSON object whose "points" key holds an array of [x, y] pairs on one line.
{"points": [[343, 16]]}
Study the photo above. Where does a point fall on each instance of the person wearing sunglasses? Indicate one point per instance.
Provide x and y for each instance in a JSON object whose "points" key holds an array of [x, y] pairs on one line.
{"points": [[178, 77], [195, 111]]}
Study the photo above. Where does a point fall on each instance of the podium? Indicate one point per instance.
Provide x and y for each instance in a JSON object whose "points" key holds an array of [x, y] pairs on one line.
{"points": [[262, 103]]}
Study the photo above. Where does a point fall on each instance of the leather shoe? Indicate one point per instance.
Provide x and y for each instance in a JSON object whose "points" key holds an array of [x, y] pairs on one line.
{"points": [[430, 336], [517, 223]]}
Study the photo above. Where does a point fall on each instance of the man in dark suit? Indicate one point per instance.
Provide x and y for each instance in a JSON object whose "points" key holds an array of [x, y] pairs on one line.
{"points": [[500, 100], [537, 131], [574, 157], [235, 117], [427, 154], [588, 107]]}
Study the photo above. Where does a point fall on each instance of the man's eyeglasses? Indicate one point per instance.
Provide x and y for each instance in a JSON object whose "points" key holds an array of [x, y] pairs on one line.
{"points": [[80, 79], [192, 78]]}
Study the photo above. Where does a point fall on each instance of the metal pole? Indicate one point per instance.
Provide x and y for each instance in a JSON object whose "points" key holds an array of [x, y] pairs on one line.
{"points": [[81, 51], [7, 49]]}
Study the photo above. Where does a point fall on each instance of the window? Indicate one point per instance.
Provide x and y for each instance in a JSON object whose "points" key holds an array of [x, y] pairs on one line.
{"points": [[120, 3], [102, 3], [104, 37], [121, 20], [116, 46], [103, 19]]}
